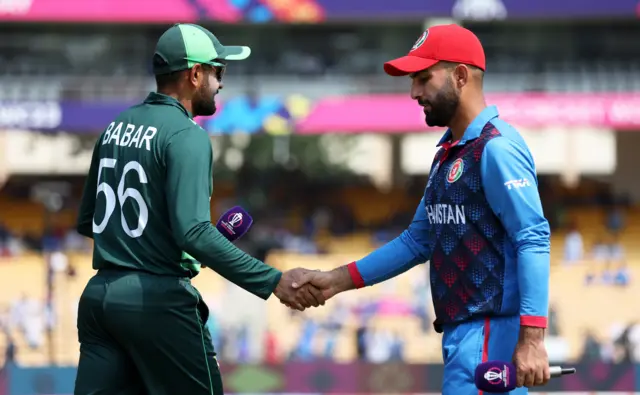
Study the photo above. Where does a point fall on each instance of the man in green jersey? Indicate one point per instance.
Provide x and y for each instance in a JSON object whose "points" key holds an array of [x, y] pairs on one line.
{"points": [[146, 204]]}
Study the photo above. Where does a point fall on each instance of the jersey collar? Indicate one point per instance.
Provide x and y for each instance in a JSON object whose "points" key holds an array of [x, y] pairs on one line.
{"points": [[475, 127], [159, 98]]}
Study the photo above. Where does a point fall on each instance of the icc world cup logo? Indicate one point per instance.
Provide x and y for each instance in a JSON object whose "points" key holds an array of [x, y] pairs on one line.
{"points": [[235, 219], [497, 376]]}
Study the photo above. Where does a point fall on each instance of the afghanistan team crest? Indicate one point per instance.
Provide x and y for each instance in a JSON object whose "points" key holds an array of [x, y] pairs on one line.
{"points": [[455, 171], [420, 40]]}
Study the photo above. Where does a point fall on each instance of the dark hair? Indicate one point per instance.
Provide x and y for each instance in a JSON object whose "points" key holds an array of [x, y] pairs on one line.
{"points": [[451, 65], [167, 80]]}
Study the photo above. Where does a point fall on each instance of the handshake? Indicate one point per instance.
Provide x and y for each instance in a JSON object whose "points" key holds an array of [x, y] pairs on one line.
{"points": [[298, 288], [302, 288]]}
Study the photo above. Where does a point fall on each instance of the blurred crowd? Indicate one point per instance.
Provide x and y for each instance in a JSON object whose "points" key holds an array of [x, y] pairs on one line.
{"points": [[606, 256], [13, 244], [318, 338], [32, 319]]}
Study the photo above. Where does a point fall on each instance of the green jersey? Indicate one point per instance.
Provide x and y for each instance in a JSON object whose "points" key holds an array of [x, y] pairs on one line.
{"points": [[146, 200]]}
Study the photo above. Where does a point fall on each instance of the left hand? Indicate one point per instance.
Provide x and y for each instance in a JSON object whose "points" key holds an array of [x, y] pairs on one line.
{"points": [[530, 358]]}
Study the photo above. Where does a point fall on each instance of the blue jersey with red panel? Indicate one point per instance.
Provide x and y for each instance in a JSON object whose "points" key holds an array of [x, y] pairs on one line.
{"points": [[481, 225], [467, 254]]}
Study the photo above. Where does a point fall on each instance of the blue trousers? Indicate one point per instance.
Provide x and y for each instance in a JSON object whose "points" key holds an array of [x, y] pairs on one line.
{"points": [[468, 344]]}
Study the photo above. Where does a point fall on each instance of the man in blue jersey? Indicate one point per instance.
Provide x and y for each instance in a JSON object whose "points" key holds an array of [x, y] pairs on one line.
{"points": [[480, 222]]}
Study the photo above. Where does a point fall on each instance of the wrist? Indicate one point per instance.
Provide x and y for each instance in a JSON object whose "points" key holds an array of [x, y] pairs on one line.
{"points": [[354, 275], [531, 334], [275, 282], [342, 279]]}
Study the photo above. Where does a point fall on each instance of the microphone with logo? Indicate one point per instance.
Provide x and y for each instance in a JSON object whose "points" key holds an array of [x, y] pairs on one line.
{"points": [[234, 223], [499, 377]]}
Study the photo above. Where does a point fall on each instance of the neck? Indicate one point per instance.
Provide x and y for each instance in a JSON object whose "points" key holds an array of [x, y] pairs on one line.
{"points": [[466, 114], [182, 99]]}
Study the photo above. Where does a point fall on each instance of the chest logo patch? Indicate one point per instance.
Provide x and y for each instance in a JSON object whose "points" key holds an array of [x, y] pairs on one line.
{"points": [[456, 170]]}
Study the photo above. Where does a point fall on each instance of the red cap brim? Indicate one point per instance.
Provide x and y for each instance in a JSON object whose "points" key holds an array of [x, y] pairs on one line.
{"points": [[407, 65]]}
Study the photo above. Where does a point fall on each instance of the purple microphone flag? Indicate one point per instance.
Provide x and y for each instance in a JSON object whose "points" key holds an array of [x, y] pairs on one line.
{"points": [[234, 223], [496, 377]]}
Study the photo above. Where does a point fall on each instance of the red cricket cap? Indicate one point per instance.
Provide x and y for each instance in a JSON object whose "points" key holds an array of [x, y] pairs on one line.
{"points": [[451, 43]]}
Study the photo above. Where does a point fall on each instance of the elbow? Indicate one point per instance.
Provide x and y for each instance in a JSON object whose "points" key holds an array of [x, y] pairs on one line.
{"points": [[184, 241], [188, 239], [536, 239], [85, 229], [419, 249]]}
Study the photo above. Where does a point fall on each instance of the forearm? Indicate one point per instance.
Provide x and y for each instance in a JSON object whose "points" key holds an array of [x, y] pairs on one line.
{"points": [[392, 259], [533, 283], [209, 247], [343, 279]]}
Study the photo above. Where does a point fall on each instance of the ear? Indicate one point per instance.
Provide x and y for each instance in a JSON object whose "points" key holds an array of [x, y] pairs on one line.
{"points": [[461, 75], [196, 74]]}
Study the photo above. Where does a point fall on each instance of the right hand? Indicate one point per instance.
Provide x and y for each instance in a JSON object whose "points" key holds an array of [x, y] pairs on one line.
{"points": [[328, 283], [297, 298]]}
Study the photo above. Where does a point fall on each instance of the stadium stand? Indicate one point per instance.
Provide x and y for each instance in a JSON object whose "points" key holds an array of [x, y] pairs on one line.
{"points": [[581, 308], [103, 63]]}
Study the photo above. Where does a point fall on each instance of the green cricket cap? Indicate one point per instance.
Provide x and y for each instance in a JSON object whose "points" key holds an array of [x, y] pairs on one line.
{"points": [[185, 44]]}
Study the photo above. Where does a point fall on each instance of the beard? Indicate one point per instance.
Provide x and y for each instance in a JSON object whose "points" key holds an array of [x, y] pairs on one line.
{"points": [[204, 103], [443, 107]]}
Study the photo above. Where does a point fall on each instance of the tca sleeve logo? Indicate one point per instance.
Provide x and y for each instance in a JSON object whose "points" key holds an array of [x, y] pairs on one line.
{"points": [[516, 184]]}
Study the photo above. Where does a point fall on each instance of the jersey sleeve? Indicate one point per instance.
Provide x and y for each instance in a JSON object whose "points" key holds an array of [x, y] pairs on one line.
{"points": [[189, 161], [511, 188], [397, 256], [84, 224]]}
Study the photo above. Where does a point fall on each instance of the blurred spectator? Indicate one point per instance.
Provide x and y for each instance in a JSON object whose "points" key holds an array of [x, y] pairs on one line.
{"points": [[52, 239], [379, 344], [600, 259], [615, 219], [618, 275], [573, 246], [27, 315], [330, 345], [297, 243], [625, 346], [361, 341], [591, 350], [420, 297], [10, 244], [634, 337], [304, 349], [397, 348], [244, 344], [339, 315], [271, 354], [4, 241], [609, 350], [553, 328], [73, 241], [214, 327]]}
